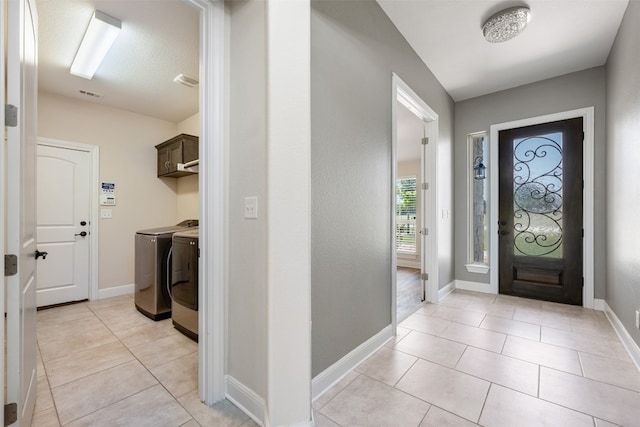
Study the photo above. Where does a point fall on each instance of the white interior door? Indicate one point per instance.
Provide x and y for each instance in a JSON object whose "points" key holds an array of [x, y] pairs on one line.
{"points": [[63, 197], [21, 87]]}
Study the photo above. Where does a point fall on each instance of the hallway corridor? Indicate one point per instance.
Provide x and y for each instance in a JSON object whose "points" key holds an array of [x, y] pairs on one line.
{"points": [[473, 359]]}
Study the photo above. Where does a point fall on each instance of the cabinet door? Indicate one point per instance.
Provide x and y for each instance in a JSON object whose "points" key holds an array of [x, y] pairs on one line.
{"points": [[189, 149], [175, 155], [163, 161]]}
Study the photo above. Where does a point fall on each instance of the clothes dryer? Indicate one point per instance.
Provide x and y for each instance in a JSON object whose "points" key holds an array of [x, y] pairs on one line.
{"points": [[184, 282], [153, 269]]}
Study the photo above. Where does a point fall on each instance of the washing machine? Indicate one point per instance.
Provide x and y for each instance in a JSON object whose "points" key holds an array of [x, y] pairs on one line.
{"points": [[184, 282], [153, 269]]}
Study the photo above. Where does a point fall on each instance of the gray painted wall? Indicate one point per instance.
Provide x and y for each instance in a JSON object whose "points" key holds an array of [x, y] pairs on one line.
{"points": [[247, 296], [623, 187], [354, 50], [564, 93]]}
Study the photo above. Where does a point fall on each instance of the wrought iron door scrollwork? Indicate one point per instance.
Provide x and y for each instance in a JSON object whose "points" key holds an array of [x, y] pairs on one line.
{"points": [[537, 195]]}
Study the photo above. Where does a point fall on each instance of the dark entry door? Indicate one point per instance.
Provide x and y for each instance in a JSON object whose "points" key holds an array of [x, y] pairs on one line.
{"points": [[540, 218]]}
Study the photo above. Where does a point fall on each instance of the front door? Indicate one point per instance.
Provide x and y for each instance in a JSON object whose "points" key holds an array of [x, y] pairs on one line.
{"points": [[540, 216], [63, 183], [21, 91]]}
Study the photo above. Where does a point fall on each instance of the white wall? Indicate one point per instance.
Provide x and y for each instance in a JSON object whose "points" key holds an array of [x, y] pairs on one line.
{"points": [[247, 285], [128, 159]]}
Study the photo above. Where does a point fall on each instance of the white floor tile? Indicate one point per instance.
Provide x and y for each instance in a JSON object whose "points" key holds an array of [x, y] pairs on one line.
{"points": [[508, 408], [434, 349], [481, 338], [454, 391], [366, 402], [604, 401], [512, 327], [507, 371], [387, 365], [543, 354]]}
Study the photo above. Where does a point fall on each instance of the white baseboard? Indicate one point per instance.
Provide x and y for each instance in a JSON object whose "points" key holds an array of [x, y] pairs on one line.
{"points": [[446, 291], [473, 286], [628, 342], [599, 304], [116, 291], [245, 399], [334, 373]]}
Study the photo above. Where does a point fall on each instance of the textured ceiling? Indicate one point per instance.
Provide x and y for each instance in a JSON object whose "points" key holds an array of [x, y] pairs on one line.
{"points": [[158, 41]]}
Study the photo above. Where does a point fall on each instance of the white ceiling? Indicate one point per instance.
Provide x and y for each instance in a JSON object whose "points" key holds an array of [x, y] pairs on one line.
{"points": [[563, 36], [158, 41]]}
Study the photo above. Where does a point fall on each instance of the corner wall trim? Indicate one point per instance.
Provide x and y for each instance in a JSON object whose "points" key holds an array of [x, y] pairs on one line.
{"points": [[245, 399], [445, 291], [116, 291], [334, 373], [628, 342]]}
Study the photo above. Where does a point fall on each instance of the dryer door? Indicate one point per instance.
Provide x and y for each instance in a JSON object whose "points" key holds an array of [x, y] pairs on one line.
{"points": [[184, 275]]}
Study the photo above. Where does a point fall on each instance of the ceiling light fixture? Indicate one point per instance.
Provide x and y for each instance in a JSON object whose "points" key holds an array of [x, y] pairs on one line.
{"points": [[101, 33], [506, 24], [183, 79]]}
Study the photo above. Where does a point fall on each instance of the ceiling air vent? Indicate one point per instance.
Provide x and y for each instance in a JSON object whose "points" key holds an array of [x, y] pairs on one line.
{"points": [[186, 80], [91, 94]]}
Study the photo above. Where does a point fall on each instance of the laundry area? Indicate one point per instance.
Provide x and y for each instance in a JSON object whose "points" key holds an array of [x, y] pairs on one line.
{"points": [[166, 258], [118, 156]]}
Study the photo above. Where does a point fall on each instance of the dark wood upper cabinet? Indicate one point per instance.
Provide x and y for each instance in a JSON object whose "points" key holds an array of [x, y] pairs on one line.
{"points": [[179, 149]]}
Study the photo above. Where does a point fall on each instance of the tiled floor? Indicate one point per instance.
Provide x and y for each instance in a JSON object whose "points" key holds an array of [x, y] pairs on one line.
{"points": [[104, 364], [493, 361], [408, 290], [472, 359]]}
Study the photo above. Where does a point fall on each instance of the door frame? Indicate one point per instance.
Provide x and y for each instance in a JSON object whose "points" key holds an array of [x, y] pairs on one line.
{"points": [[3, 195], [588, 122], [212, 181], [401, 92], [94, 202]]}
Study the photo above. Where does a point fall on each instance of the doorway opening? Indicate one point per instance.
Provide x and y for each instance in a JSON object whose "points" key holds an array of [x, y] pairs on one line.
{"points": [[414, 202], [410, 291]]}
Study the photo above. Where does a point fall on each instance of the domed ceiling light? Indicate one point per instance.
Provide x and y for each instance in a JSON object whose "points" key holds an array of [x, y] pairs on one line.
{"points": [[506, 24]]}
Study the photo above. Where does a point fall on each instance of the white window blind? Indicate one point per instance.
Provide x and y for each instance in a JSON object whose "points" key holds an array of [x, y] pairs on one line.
{"points": [[406, 214]]}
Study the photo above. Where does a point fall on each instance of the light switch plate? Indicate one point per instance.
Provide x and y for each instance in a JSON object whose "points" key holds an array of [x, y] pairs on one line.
{"points": [[106, 213], [251, 207]]}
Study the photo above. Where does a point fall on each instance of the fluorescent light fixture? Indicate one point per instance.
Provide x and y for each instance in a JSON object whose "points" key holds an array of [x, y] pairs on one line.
{"points": [[183, 79], [101, 33]]}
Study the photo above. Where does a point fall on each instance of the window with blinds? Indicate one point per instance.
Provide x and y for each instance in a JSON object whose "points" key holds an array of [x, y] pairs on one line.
{"points": [[406, 214]]}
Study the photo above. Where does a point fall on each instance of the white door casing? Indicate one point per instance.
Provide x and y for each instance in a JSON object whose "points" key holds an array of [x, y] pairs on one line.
{"points": [[22, 88], [63, 214], [401, 92]]}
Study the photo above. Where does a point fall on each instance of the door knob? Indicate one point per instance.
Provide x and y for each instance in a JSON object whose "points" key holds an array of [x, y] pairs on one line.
{"points": [[41, 254], [82, 233]]}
